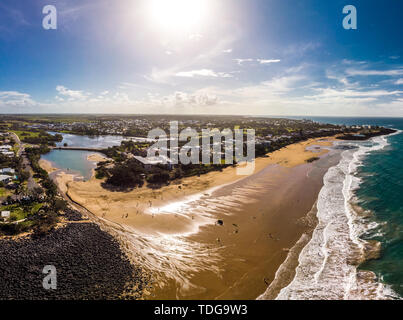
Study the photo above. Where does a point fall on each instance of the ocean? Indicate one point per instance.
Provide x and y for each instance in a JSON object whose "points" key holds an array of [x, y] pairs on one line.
{"points": [[356, 251]]}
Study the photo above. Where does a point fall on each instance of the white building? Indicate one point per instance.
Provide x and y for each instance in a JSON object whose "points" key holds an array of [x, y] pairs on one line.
{"points": [[148, 162], [5, 214], [7, 153], [5, 178], [7, 170]]}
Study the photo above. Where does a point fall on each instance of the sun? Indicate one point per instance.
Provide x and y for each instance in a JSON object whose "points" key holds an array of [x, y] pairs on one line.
{"points": [[177, 15]]}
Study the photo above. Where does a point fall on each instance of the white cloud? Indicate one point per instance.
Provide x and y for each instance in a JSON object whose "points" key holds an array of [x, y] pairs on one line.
{"points": [[182, 100], [399, 81], [283, 84], [71, 94], [260, 61], [335, 93], [263, 61], [15, 99], [227, 51], [241, 61], [357, 72], [202, 73], [195, 36]]}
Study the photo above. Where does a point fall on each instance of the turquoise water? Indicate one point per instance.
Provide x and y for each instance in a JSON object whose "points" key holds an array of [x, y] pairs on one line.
{"points": [[381, 192], [72, 161]]}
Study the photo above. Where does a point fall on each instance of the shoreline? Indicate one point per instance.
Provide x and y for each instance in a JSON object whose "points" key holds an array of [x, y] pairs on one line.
{"points": [[97, 157], [152, 223], [362, 284]]}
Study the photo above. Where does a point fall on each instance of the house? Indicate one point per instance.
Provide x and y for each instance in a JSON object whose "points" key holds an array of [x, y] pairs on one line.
{"points": [[7, 170], [148, 162], [5, 214], [5, 178], [7, 153]]}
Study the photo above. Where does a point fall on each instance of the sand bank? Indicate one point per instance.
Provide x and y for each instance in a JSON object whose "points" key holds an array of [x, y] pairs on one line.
{"points": [[47, 165], [96, 157]]}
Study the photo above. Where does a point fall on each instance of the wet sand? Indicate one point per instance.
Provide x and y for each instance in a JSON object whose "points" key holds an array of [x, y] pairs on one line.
{"points": [[263, 217], [47, 165], [175, 231]]}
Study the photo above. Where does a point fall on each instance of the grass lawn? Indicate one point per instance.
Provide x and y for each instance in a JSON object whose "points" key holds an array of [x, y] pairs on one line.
{"points": [[4, 192], [18, 212], [36, 207], [22, 134]]}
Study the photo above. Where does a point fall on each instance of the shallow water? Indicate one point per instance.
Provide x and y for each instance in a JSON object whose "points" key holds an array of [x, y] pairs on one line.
{"points": [[72, 161], [75, 161]]}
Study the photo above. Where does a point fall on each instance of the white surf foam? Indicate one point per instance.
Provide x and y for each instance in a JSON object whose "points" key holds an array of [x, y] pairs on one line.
{"points": [[328, 263]]}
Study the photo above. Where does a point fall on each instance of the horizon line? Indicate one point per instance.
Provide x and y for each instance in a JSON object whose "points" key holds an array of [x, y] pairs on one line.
{"points": [[195, 114]]}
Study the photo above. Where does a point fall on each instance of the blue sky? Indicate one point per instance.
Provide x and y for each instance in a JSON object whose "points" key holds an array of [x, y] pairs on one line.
{"points": [[253, 57]]}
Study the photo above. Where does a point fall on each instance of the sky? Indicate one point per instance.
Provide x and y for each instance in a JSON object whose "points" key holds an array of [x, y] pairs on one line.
{"points": [[240, 57]]}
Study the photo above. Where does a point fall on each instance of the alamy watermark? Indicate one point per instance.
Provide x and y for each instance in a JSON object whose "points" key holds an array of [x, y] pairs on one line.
{"points": [[217, 147], [49, 22], [350, 20], [50, 281]]}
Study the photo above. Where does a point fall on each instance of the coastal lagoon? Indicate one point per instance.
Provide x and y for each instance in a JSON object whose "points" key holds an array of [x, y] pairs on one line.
{"points": [[99, 142], [72, 161], [75, 161]]}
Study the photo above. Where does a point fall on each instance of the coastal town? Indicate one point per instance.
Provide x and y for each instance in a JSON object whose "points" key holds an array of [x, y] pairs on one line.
{"points": [[25, 138]]}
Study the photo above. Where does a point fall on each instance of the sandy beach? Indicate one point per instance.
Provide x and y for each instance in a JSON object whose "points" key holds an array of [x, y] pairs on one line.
{"points": [[47, 165], [175, 231], [97, 157]]}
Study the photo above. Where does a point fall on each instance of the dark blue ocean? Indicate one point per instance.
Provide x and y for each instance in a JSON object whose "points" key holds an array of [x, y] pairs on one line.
{"points": [[381, 192]]}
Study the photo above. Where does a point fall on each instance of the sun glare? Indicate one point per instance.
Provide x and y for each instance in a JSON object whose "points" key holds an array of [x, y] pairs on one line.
{"points": [[177, 15]]}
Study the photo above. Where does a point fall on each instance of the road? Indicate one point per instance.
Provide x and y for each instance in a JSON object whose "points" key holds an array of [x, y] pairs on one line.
{"points": [[18, 142], [31, 183]]}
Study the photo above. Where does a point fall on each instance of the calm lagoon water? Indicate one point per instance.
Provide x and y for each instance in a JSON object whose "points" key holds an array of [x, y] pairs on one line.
{"points": [[73, 161], [100, 142]]}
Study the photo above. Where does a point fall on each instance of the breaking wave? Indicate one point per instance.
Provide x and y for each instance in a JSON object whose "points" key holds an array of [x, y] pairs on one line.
{"points": [[328, 264]]}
